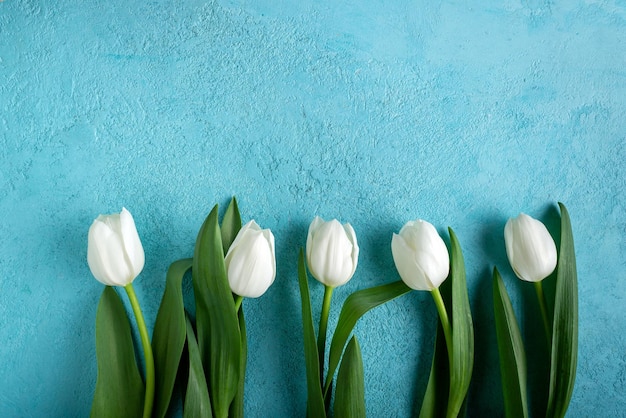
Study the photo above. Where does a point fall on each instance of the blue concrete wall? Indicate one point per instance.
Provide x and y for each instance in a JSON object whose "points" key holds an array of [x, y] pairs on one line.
{"points": [[375, 112]]}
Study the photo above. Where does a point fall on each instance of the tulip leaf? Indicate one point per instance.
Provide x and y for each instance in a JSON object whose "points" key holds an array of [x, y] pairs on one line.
{"points": [[315, 401], [236, 408], [350, 393], [197, 402], [565, 325], [436, 397], [168, 339], [119, 387], [511, 351], [462, 331], [355, 306], [231, 224], [219, 339]]}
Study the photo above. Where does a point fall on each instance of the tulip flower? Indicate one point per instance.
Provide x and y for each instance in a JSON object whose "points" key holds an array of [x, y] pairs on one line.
{"points": [[332, 254], [114, 252], [116, 257], [250, 261], [420, 255], [332, 251], [530, 248], [532, 255]]}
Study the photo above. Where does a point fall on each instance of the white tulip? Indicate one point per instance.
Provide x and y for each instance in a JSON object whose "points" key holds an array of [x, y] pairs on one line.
{"points": [[530, 248], [420, 255], [114, 252], [250, 261], [332, 251]]}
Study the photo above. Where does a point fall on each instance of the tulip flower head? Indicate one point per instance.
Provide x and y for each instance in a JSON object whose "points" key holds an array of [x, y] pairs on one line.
{"points": [[114, 252], [332, 251], [250, 261], [420, 255], [530, 248]]}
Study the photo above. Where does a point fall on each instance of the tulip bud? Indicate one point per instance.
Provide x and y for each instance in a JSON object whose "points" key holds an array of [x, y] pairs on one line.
{"points": [[420, 255], [530, 248], [114, 252], [250, 261], [331, 251]]}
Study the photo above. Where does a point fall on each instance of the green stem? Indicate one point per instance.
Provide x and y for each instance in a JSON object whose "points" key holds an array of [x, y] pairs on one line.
{"points": [[147, 350], [445, 322], [543, 306], [238, 300], [321, 338]]}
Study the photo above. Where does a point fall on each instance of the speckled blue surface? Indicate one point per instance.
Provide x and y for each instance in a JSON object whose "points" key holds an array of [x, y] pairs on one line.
{"points": [[375, 112]]}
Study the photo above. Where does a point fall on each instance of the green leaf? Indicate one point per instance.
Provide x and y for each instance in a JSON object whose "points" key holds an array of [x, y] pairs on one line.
{"points": [[119, 388], [435, 400], [197, 402], [168, 339], [350, 392], [565, 325], [511, 351], [462, 330], [231, 224], [355, 306], [315, 400], [218, 328], [237, 407]]}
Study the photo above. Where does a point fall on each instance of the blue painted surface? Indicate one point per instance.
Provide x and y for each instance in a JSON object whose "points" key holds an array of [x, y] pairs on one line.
{"points": [[373, 112]]}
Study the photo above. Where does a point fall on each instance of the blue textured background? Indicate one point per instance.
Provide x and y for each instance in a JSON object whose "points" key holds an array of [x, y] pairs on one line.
{"points": [[375, 112]]}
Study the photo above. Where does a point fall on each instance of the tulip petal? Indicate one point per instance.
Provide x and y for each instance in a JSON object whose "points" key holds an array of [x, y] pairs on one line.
{"points": [[132, 243], [406, 263], [107, 254]]}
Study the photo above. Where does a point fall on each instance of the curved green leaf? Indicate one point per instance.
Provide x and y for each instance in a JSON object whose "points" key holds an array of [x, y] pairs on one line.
{"points": [[350, 392], [435, 400], [462, 330], [168, 339], [237, 407], [565, 325], [231, 224], [355, 306], [315, 401], [219, 339], [119, 388], [511, 351], [197, 402]]}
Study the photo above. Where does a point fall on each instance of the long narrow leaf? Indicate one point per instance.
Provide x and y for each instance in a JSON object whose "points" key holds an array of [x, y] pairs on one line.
{"points": [[218, 328], [237, 407], [435, 400], [511, 351], [168, 339], [462, 330], [355, 306], [350, 392], [231, 224], [565, 326], [315, 400], [119, 388], [197, 402]]}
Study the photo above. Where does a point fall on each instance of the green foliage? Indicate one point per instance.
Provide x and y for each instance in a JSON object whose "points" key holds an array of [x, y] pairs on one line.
{"points": [[119, 389], [511, 351], [350, 393], [565, 324]]}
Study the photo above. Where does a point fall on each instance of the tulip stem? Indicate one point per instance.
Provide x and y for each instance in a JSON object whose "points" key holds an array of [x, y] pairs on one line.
{"points": [[544, 311], [238, 300], [147, 350], [445, 322], [321, 338]]}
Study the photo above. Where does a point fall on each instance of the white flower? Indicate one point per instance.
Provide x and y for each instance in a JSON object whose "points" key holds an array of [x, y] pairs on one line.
{"points": [[420, 255], [530, 248], [332, 251], [250, 261], [114, 252]]}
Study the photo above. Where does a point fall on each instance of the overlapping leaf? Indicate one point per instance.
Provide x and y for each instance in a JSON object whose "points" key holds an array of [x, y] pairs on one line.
{"points": [[350, 393], [119, 388]]}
